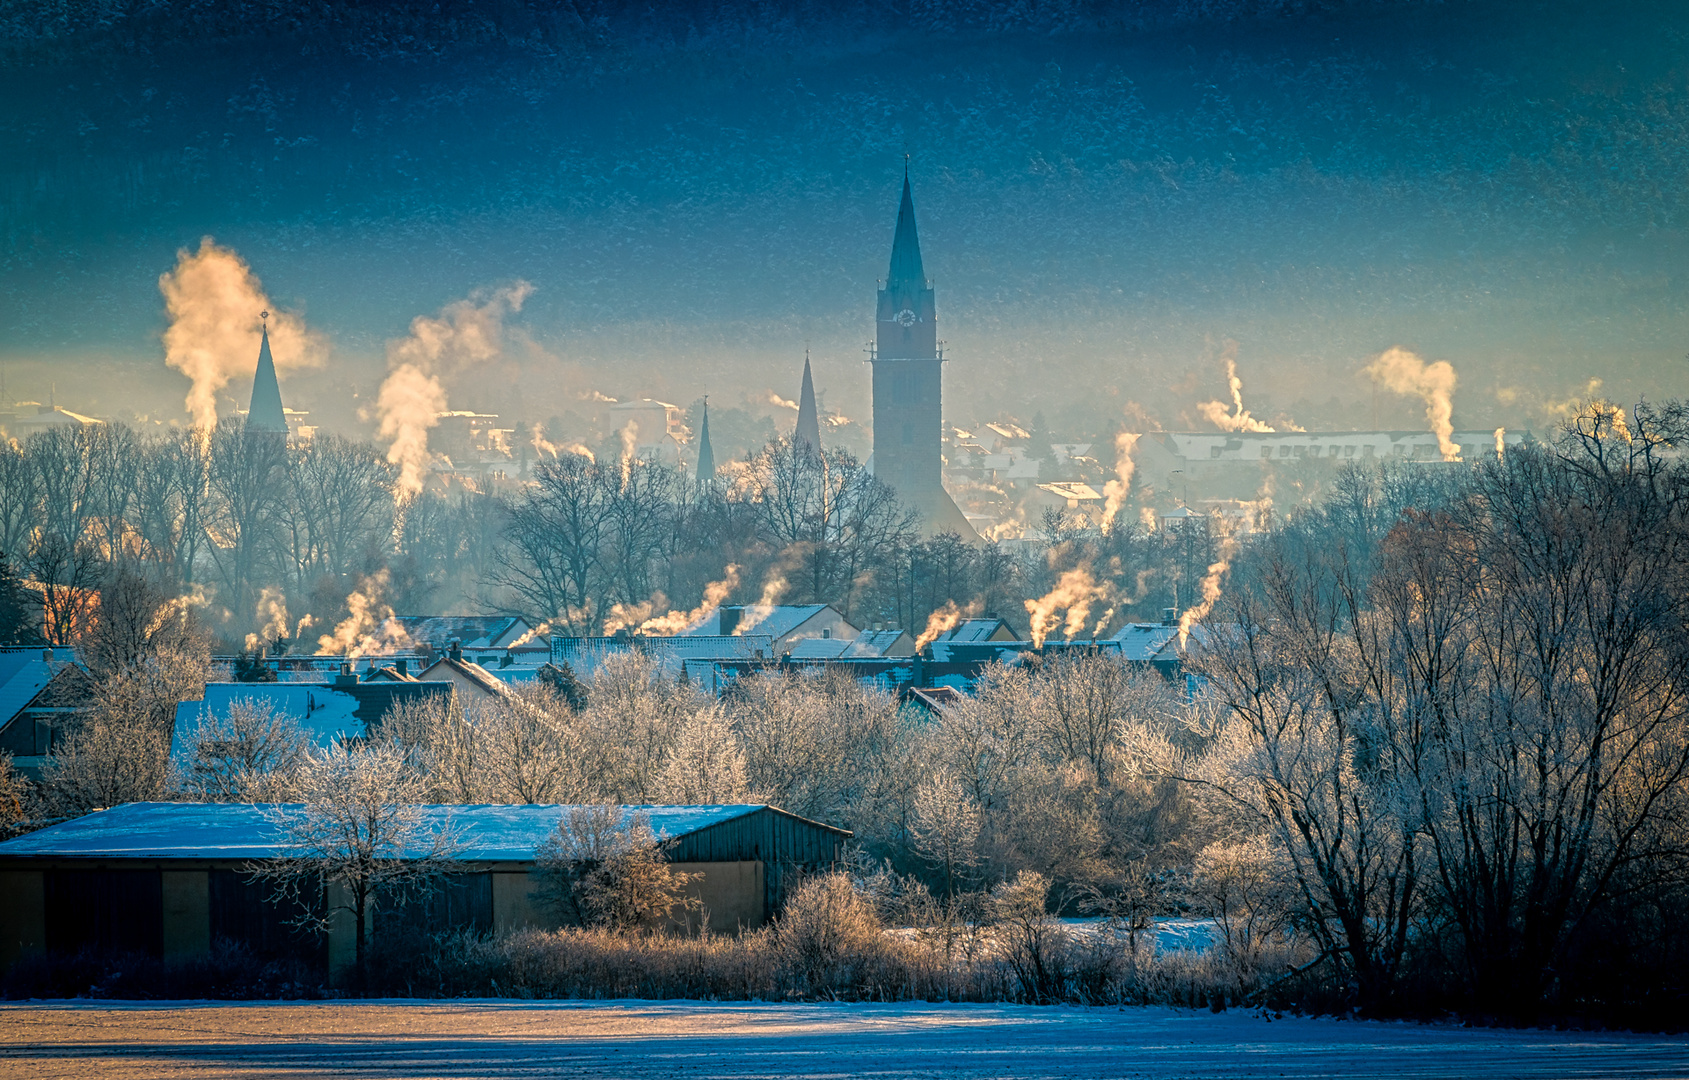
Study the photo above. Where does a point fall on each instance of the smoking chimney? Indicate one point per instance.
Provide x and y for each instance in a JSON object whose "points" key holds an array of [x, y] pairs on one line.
{"points": [[730, 619]]}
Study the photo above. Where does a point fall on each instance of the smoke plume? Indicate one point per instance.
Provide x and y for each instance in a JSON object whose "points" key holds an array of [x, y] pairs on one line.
{"points": [[714, 593], [214, 301], [1500, 441], [1074, 594], [944, 620], [272, 611], [773, 588], [369, 626], [771, 398], [1116, 490], [465, 333], [630, 446], [623, 616], [1404, 373], [543, 445], [1238, 419], [1210, 589], [532, 633]]}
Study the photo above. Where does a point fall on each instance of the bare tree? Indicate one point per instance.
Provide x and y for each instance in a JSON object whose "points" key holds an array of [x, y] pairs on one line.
{"points": [[531, 748], [946, 824], [21, 511], [705, 764], [357, 836], [66, 574], [551, 557], [248, 497], [633, 716], [251, 754], [604, 867]]}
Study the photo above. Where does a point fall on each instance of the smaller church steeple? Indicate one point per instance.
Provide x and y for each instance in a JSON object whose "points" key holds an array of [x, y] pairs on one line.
{"points": [[265, 413], [706, 456], [809, 421]]}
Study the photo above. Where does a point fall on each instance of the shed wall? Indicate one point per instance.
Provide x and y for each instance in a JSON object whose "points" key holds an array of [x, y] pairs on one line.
{"points": [[23, 914], [115, 910]]}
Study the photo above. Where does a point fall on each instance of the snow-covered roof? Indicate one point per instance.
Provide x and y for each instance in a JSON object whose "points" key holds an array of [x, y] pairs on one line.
{"points": [[1253, 445], [156, 830], [466, 673], [1073, 489], [816, 648], [327, 711], [772, 620], [869, 643], [325, 714], [1141, 641], [24, 673], [472, 631], [977, 630]]}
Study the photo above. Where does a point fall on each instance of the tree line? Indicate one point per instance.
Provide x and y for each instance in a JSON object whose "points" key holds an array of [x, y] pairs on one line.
{"points": [[273, 538]]}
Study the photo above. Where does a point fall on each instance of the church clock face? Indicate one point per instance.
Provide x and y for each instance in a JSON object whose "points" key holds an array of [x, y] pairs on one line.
{"points": [[905, 317]]}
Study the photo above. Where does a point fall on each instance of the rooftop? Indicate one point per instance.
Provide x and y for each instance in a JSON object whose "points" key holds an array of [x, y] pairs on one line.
{"points": [[256, 831]]}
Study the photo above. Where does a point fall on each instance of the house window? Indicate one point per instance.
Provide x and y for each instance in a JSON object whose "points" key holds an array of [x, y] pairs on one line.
{"points": [[1266, 451], [826, 632], [1213, 451]]}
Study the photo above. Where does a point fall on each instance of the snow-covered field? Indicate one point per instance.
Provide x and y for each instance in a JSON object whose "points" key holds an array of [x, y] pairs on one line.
{"points": [[637, 1039]]}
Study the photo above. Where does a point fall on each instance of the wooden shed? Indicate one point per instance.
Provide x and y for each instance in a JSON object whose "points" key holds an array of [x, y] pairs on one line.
{"points": [[170, 879]]}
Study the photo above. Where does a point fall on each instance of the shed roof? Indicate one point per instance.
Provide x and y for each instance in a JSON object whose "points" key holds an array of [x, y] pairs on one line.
{"points": [[255, 831]]}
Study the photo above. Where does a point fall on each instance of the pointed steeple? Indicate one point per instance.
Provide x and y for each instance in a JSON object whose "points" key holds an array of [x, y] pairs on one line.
{"points": [[706, 456], [906, 268], [809, 422], [265, 413]]}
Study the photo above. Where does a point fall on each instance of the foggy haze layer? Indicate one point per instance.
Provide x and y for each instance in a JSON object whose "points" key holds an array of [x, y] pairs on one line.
{"points": [[1105, 205]]}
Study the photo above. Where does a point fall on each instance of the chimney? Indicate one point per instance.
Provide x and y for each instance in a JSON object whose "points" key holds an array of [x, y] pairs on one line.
{"points": [[455, 651], [346, 676], [402, 666], [47, 654], [730, 619], [1169, 616]]}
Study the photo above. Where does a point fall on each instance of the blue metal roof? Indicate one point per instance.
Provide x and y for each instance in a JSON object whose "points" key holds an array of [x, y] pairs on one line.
{"points": [[158, 830]]}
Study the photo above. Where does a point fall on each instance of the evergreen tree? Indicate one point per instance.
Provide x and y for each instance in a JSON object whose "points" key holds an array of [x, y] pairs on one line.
{"points": [[19, 611]]}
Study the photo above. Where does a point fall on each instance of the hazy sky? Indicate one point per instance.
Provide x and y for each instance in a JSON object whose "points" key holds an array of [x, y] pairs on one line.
{"points": [[1104, 210]]}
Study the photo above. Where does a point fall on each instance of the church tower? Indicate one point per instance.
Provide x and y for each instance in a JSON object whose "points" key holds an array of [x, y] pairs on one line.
{"points": [[265, 412], [908, 383]]}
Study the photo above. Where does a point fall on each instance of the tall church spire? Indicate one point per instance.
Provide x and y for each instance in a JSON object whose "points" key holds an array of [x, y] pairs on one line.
{"points": [[265, 413], [706, 456], [909, 384], [809, 422], [906, 269]]}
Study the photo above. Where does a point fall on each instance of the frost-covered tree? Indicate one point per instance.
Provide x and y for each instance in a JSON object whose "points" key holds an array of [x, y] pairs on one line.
{"points": [[250, 754], [357, 836]]}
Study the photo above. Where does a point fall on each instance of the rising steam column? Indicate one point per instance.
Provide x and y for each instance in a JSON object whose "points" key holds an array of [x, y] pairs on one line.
{"points": [[908, 384]]}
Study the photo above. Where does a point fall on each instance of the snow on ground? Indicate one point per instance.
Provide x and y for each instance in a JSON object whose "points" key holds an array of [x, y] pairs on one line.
{"points": [[636, 1040]]}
